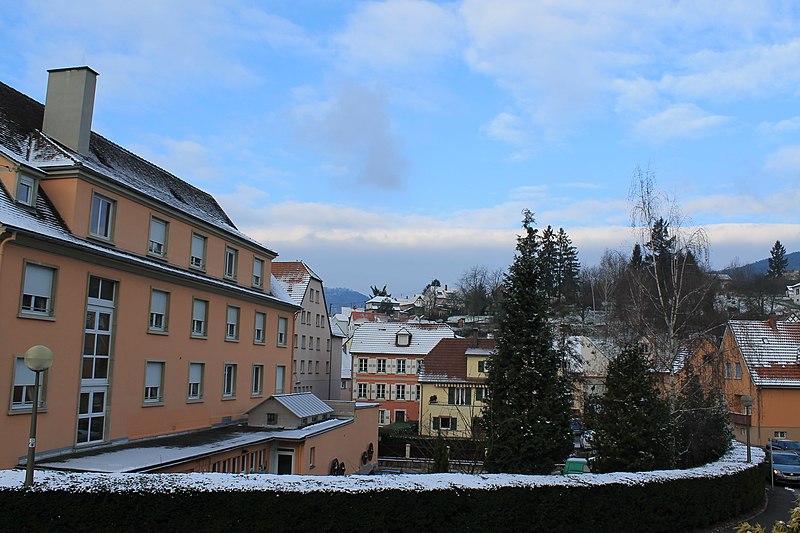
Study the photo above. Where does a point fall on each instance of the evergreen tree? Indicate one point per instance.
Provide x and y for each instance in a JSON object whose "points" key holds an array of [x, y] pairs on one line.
{"points": [[568, 267], [702, 432], [633, 422], [777, 262], [528, 411], [441, 456], [636, 257], [549, 261]]}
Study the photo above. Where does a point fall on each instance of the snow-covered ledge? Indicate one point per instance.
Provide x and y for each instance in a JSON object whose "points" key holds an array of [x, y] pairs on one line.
{"points": [[733, 462]]}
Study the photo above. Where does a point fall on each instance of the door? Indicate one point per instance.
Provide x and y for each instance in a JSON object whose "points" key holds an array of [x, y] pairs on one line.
{"points": [[285, 461]]}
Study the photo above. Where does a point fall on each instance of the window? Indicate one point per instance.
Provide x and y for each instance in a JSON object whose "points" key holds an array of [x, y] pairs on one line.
{"points": [[383, 417], [258, 272], [728, 370], [261, 319], [380, 391], [362, 365], [381, 366], [229, 381], [459, 396], [158, 237], [198, 257], [282, 325], [303, 342], [312, 456], [482, 366], [401, 366], [302, 366], [738, 371], [24, 379], [479, 394], [37, 290], [295, 341], [780, 434], [26, 190], [158, 310], [154, 377], [327, 345], [280, 371], [445, 423], [196, 381], [199, 318], [362, 390], [231, 260], [272, 419], [317, 343], [327, 367], [316, 367], [400, 392], [419, 391], [344, 384], [100, 221], [258, 380], [232, 324], [403, 338]]}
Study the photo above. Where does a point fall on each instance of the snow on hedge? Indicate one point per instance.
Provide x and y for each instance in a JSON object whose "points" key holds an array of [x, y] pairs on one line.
{"points": [[733, 462]]}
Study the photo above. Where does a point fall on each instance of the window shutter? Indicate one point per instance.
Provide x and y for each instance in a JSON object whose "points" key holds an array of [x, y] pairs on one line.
{"points": [[451, 396], [468, 396], [38, 280], [158, 231], [392, 392], [153, 377], [198, 245], [233, 315], [22, 374], [391, 366], [412, 393], [371, 391], [199, 310], [159, 302], [372, 365], [260, 321], [412, 366], [195, 372], [436, 422]]}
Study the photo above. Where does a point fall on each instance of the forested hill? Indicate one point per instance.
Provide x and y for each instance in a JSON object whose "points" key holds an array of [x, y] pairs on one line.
{"points": [[338, 297], [761, 267]]}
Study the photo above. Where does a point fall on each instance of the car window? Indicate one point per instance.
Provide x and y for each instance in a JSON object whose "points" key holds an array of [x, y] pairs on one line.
{"points": [[786, 459]]}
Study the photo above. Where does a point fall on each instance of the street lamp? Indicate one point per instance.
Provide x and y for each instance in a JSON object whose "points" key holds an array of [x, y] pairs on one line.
{"points": [[38, 358], [747, 403]]}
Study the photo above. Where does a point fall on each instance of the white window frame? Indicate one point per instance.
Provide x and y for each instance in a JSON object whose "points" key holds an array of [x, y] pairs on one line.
{"points": [[378, 394], [23, 385], [362, 391], [38, 289], [154, 382], [400, 391], [257, 388], [198, 246], [232, 317], [259, 328], [231, 262], [101, 217], [280, 377], [159, 232], [229, 380], [384, 417], [401, 366], [381, 366], [283, 325], [363, 363], [199, 317], [29, 183], [196, 375], [258, 272], [159, 311]]}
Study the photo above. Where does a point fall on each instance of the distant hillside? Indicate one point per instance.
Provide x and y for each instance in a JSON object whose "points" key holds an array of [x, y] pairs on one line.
{"points": [[339, 297], [761, 267]]}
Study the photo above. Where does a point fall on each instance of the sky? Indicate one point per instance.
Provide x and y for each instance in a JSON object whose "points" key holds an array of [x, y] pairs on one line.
{"points": [[394, 142]]}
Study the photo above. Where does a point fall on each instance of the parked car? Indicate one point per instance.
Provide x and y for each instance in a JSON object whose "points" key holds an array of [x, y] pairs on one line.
{"points": [[785, 466], [784, 445]]}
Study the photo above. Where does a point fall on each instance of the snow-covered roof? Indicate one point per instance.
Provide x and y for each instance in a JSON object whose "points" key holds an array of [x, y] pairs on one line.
{"points": [[733, 462], [771, 350], [44, 222], [336, 330], [22, 140], [380, 338], [295, 277], [157, 453], [303, 404]]}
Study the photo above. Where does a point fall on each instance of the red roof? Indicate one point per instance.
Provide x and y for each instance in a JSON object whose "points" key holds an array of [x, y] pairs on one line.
{"points": [[448, 359]]}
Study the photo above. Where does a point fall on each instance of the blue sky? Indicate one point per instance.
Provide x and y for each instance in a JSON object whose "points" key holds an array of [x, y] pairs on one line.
{"points": [[395, 142]]}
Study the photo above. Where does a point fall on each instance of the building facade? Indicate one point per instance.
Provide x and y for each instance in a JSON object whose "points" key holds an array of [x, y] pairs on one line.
{"points": [[386, 361], [163, 317]]}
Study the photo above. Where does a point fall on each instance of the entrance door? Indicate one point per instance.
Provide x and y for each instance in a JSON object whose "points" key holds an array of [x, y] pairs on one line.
{"points": [[399, 416], [285, 461]]}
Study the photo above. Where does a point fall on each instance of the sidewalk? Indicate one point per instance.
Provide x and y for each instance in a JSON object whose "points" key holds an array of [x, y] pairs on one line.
{"points": [[780, 502]]}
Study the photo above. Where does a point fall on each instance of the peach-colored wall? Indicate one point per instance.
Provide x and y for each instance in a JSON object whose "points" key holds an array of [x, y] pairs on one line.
{"points": [[132, 347], [344, 444]]}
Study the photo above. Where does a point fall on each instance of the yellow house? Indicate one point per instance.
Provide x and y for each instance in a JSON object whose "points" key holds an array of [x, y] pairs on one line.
{"points": [[453, 381]]}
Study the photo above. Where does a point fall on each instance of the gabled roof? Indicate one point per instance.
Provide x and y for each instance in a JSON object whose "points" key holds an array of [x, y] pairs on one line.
{"points": [[380, 337], [771, 350], [295, 277], [22, 140], [447, 361], [302, 404]]}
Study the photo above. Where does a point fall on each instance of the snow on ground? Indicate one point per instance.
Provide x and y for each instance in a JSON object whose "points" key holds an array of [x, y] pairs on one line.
{"points": [[733, 462]]}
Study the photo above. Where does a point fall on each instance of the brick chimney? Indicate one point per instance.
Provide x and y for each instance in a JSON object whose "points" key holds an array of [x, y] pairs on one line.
{"points": [[69, 106]]}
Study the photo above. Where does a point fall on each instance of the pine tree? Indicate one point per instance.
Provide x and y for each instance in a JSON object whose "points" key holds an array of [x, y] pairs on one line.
{"points": [[527, 417], [777, 261], [633, 422], [549, 260], [568, 266]]}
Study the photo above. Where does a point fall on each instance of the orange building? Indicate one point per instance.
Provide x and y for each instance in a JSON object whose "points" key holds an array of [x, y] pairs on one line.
{"points": [[163, 317], [386, 362], [762, 359]]}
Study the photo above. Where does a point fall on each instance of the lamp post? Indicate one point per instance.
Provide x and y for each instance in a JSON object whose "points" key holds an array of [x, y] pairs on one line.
{"points": [[38, 358], [747, 403]]}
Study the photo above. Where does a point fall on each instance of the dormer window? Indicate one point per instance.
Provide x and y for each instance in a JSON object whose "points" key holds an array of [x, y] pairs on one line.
{"points": [[26, 190], [403, 338]]}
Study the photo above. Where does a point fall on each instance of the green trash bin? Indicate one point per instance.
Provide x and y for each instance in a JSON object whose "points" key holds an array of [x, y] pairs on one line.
{"points": [[574, 465]]}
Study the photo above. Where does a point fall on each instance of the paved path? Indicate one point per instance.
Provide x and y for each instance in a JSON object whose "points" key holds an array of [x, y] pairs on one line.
{"points": [[781, 501]]}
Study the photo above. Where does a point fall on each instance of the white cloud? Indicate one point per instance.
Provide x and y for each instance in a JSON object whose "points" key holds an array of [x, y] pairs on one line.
{"points": [[355, 131], [786, 159], [399, 34], [507, 127], [784, 126], [679, 121]]}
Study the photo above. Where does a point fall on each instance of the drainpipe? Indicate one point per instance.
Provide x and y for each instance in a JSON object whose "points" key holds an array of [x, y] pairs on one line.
{"points": [[5, 236]]}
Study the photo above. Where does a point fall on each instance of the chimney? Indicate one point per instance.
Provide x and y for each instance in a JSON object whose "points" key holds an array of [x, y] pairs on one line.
{"points": [[772, 322], [69, 105]]}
